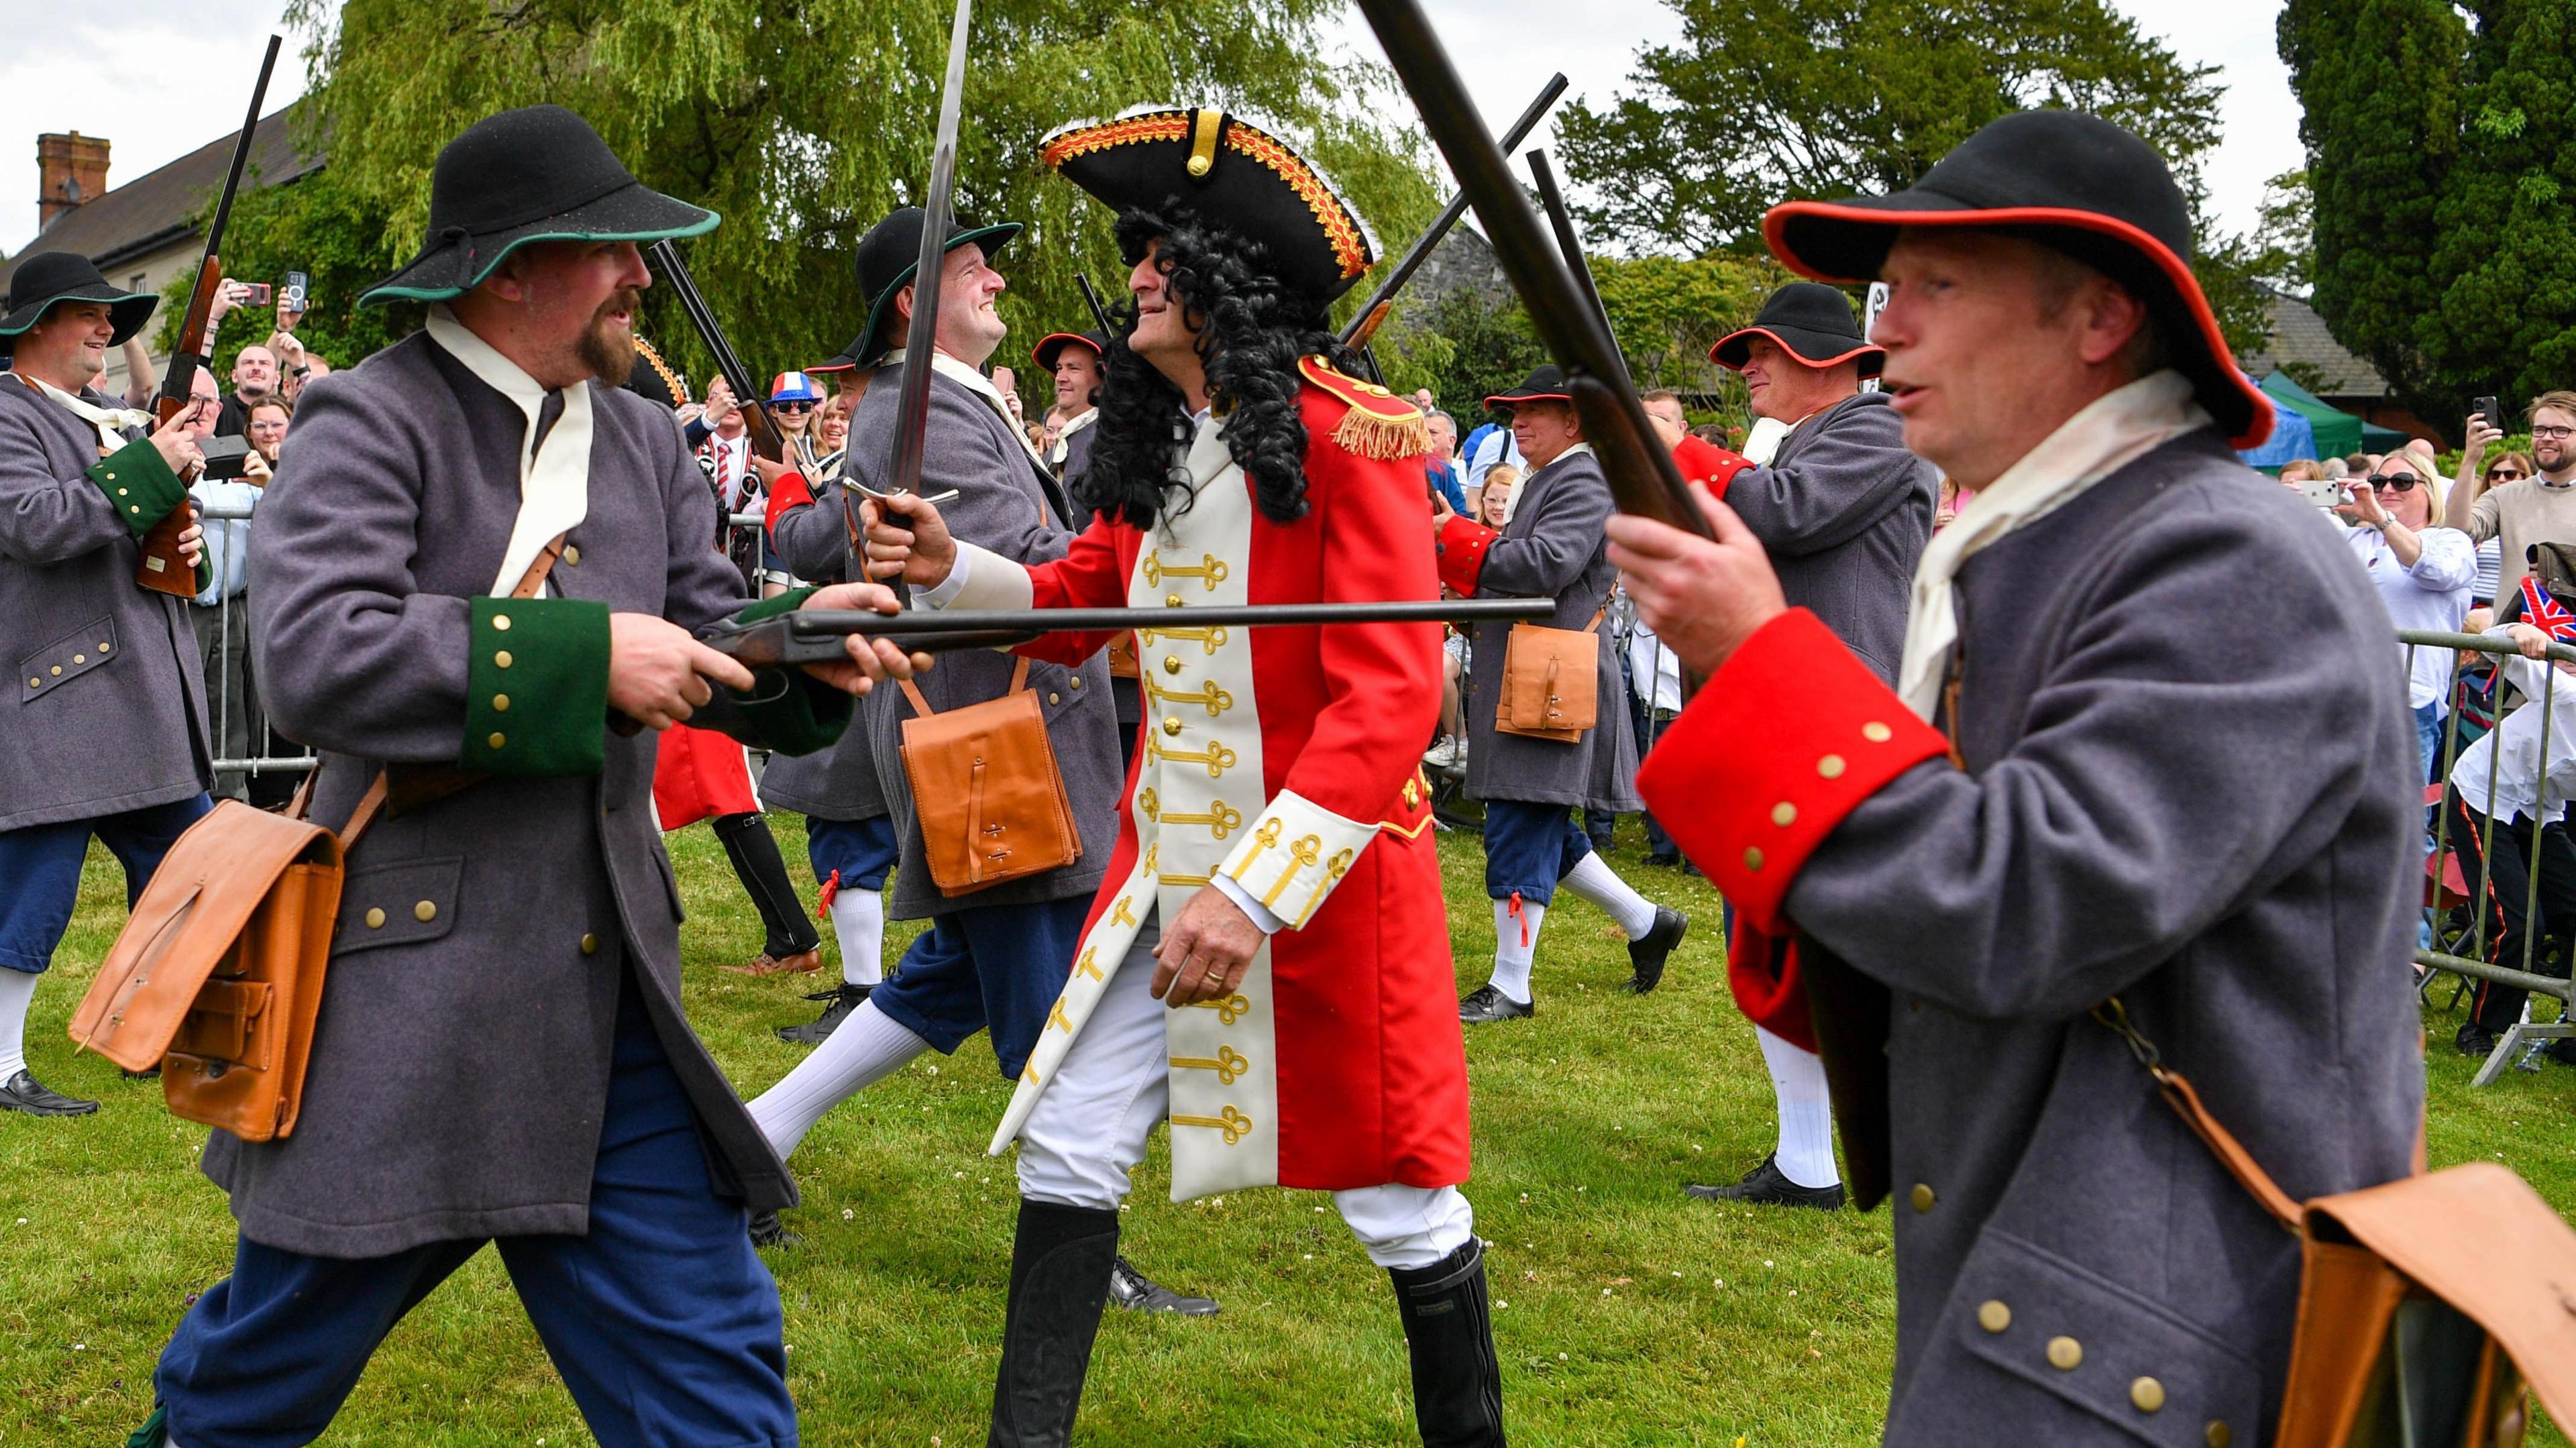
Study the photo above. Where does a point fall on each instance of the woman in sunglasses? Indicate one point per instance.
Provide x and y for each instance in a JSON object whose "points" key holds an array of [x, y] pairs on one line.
{"points": [[2425, 575]]}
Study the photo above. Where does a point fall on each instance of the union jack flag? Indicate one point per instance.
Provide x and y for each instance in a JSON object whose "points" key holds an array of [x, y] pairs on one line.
{"points": [[2545, 613]]}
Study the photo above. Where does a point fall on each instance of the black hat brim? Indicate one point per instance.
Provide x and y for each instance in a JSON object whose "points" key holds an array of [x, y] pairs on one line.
{"points": [[126, 311], [1847, 242], [456, 265], [1515, 399], [1813, 348], [869, 347]]}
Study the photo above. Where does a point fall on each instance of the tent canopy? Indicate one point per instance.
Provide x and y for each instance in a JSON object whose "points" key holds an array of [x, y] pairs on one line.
{"points": [[2338, 433]]}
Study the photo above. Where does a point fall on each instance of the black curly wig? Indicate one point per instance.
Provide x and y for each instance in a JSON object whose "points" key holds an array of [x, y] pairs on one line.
{"points": [[1252, 329]]}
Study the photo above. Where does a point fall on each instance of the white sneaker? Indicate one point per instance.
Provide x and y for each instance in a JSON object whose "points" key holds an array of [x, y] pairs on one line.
{"points": [[1449, 753]]}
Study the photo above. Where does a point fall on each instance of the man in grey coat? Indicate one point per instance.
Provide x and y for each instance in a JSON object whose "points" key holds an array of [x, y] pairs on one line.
{"points": [[106, 735], [1843, 511], [474, 590], [2085, 803], [1551, 547]]}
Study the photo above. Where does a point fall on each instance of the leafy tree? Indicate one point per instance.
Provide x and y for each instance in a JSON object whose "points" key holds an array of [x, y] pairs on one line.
{"points": [[1667, 312], [1466, 346]]}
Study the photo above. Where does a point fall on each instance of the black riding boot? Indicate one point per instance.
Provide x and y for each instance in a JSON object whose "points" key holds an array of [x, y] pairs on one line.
{"points": [[753, 850], [1060, 1262], [1457, 1381]]}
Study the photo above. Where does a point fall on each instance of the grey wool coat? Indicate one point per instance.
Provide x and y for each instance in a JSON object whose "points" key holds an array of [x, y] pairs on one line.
{"points": [[107, 701], [2220, 831], [1556, 546], [1010, 504], [839, 783], [461, 1063], [1844, 511]]}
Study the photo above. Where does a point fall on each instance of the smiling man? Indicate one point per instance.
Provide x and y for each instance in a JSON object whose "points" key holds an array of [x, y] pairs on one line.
{"points": [[474, 591], [2088, 800]]}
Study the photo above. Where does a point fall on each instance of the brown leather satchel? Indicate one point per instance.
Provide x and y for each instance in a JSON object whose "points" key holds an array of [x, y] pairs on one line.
{"points": [[2431, 1308], [987, 791], [1551, 682]]}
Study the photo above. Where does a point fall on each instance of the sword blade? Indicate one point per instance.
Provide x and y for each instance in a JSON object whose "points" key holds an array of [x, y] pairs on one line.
{"points": [[938, 211]]}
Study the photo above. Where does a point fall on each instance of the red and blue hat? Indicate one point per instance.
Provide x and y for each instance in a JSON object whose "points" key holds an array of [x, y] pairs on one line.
{"points": [[794, 387]]}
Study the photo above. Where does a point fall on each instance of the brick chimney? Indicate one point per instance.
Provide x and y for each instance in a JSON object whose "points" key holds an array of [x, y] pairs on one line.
{"points": [[73, 171]]}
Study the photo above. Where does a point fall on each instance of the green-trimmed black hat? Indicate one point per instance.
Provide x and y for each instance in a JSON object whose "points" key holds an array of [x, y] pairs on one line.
{"points": [[888, 256], [67, 276], [539, 173]]}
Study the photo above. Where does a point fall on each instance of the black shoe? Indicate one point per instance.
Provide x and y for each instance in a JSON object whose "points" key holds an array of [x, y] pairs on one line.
{"points": [[1136, 1292], [154, 1074], [768, 1231], [1668, 859], [1061, 1260], [2562, 1050], [1487, 1003], [1766, 1184], [844, 999], [2475, 1040], [1449, 1330], [1648, 952], [24, 1092]]}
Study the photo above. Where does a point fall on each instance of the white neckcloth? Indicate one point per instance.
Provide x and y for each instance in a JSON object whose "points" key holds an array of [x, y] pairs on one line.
{"points": [[554, 485], [106, 419]]}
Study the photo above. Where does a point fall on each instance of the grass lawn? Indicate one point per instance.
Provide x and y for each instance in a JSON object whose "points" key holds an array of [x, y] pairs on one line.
{"points": [[1625, 1314]]}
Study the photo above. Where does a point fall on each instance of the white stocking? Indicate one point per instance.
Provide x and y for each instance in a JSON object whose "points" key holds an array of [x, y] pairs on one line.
{"points": [[17, 988], [1592, 879], [1806, 1154], [865, 1049], [1515, 943], [858, 921]]}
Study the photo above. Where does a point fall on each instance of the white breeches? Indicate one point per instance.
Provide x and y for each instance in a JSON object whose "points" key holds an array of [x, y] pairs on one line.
{"points": [[1089, 1129]]}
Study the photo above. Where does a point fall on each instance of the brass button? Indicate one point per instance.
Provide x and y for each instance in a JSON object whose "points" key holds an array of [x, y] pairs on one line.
{"points": [[80, 658], [425, 912], [58, 671], [375, 918], [1831, 766], [589, 943], [2218, 1434], [2065, 1354], [501, 660], [1172, 727], [498, 739], [1753, 857], [1921, 1196], [572, 554], [500, 703], [1784, 814], [1876, 733], [35, 683], [1171, 600], [2147, 1395], [103, 646], [501, 621], [1075, 680], [136, 511], [1054, 698], [111, 477], [1171, 663], [1993, 1315]]}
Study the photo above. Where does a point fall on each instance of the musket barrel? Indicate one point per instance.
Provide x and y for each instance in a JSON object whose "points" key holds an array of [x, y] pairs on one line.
{"points": [[1107, 620]]}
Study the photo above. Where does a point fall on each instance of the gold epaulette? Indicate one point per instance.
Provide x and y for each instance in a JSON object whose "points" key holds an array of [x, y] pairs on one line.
{"points": [[1379, 424]]}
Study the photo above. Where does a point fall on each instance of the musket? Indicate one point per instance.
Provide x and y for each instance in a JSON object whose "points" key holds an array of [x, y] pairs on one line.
{"points": [[161, 568], [1561, 221], [1099, 312], [1373, 315], [814, 636], [747, 394], [938, 212]]}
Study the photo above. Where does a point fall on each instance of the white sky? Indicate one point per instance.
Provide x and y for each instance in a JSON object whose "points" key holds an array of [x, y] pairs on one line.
{"points": [[195, 60]]}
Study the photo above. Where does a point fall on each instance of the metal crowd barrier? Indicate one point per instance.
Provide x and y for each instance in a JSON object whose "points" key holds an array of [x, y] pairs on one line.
{"points": [[2466, 952]]}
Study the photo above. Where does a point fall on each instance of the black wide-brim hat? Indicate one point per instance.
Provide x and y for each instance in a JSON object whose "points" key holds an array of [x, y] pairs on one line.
{"points": [[1052, 345], [535, 174], [2074, 182], [48, 277], [1812, 322], [888, 256], [1211, 166], [1547, 384]]}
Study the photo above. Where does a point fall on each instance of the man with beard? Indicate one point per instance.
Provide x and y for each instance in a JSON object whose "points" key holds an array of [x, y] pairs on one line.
{"points": [[2537, 509], [1267, 961], [482, 557]]}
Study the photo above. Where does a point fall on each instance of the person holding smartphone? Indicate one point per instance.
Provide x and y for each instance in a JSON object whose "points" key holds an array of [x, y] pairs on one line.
{"points": [[2537, 509], [2425, 574]]}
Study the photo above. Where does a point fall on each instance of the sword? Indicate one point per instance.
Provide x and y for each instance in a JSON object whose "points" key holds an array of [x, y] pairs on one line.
{"points": [[813, 636], [938, 212]]}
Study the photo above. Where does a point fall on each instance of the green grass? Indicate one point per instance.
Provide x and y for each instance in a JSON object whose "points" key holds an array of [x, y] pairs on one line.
{"points": [[1624, 1314]]}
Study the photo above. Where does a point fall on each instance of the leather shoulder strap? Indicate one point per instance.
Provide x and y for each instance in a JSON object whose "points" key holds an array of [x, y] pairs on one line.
{"points": [[2186, 1103]]}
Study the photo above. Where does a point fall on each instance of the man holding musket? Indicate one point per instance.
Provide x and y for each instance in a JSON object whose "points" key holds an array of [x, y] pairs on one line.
{"points": [[2089, 824], [1843, 511], [474, 591], [108, 734], [1267, 964]]}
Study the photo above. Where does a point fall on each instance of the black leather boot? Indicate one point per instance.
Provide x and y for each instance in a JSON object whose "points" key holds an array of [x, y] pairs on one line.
{"points": [[1457, 1381], [1060, 1264]]}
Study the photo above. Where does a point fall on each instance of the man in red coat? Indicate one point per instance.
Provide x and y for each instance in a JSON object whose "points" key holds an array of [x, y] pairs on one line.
{"points": [[1267, 964]]}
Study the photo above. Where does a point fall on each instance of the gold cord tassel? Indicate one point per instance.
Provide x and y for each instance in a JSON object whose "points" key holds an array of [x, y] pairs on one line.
{"points": [[1368, 435]]}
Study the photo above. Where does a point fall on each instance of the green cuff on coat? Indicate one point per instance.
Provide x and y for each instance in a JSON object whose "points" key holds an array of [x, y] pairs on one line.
{"points": [[140, 485], [788, 602], [536, 687], [786, 710]]}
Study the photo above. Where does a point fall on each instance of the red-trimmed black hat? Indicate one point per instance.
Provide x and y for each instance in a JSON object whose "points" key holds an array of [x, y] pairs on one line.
{"points": [[2074, 182], [1055, 342], [1211, 164], [1812, 322], [1547, 384]]}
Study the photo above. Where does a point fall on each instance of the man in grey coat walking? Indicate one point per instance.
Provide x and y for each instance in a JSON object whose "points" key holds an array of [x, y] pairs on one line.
{"points": [[2085, 798]]}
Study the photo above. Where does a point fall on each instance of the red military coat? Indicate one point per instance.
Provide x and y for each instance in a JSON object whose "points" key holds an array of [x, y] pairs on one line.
{"points": [[1289, 760]]}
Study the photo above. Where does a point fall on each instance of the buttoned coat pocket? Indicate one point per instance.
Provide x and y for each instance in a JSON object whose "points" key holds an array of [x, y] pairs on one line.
{"points": [[2106, 1350], [61, 660], [403, 902]]}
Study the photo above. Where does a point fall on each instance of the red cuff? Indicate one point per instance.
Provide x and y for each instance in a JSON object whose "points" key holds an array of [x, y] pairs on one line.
{"points": [[1461, 551], [1705, 462], [1789, 736], [1762, 970], [788, 492]]}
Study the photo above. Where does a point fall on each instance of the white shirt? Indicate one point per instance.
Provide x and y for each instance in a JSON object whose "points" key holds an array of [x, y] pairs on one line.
{"points": [[2436, 593], [2511, 751], [736, 483], [1499, 446], [1654, 671]]}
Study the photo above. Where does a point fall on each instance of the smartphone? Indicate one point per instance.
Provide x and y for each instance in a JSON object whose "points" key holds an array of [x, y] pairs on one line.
{"points": [[260, 292], [2325, 492], [2490, 409], [226, 457], [292, 293]]}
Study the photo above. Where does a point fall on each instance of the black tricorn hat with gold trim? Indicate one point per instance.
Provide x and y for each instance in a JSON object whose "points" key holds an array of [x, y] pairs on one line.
{"points": [[1212, 165]]}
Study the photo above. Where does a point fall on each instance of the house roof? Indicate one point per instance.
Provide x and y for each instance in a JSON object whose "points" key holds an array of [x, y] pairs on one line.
{"points": [[155, 210], [2299, 336]]}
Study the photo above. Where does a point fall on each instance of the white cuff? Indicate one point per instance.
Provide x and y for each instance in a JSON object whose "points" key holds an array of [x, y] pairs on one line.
{"points": [[1258, 913], [981, 578], [1294, 855]]}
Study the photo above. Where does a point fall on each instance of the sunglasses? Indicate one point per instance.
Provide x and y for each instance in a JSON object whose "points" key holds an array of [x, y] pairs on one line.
{"points": [[2505, 475], [791, 407], [2394, 482]]}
